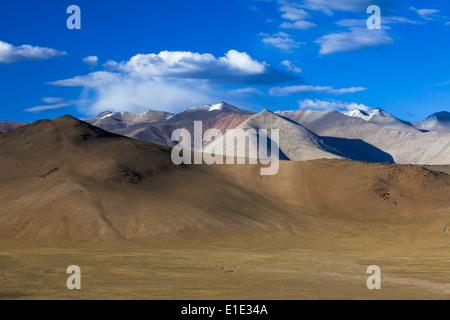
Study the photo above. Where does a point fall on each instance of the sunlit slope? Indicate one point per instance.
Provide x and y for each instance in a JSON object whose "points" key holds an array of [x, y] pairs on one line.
{"points": [[64, 181]]}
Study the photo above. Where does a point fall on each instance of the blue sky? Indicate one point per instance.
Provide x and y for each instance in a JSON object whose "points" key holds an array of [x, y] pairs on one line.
{"points": [[274, 54]]}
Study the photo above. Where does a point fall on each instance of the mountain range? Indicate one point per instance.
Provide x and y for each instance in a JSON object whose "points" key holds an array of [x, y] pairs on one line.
{"points": [[140, 226], [439, 122], [157, 126], [66, 180], [6, 126], [373, 136]]}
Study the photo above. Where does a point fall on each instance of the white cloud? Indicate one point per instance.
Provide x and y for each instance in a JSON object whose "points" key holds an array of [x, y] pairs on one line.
{"points": [[286, 91], [242, 62], [297, 17], [56, 103], [329, 6], [245, 91], [10, 53], [357, 38], [281, 40], [293, 13], [331, 105], [53, 100], [301, 24], [183, 64], [360, 23], [111, 65], [138, 95], [385, 21], [171, 80], [91, 60], [124, 92], [290, 66], [348, 90], [48, 107], [427, 14], [92, 80]]}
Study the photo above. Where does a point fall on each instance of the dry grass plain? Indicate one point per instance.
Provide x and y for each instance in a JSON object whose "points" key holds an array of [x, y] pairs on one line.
{"points": [[221, 272]]}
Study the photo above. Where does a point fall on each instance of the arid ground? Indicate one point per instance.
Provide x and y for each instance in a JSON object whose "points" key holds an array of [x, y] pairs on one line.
{"points": [[140, 227]]}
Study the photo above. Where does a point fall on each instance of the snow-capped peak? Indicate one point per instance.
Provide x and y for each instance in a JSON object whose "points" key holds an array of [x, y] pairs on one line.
{"points": [[103, 115], [222, 106], [217, 107], [379, 112], [356, 113], [367, 115]]}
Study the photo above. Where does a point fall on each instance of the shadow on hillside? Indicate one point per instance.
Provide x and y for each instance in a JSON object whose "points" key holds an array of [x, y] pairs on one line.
{"points": [[356, 149]]}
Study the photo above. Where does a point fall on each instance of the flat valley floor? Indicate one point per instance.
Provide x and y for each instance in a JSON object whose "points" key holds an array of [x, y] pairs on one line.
{"points": [[285, 272]]}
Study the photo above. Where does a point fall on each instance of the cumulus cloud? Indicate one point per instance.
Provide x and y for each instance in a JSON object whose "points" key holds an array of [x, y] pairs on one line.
{"points": [[331, 105], [281, 40], [10, 53], [293, 14], [171, 80], [286, 91], [91, 60], [183, 64], [138, 95], [356, 39], [296, 16], [123, 92], [233, 68]]}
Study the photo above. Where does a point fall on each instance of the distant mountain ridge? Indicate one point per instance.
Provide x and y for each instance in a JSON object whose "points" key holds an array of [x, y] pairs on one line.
{"points": [[382, 118], [404, 147], [373, 135], [366, 135], [298, 143], [439, 121], [6, 126], [65, 181], [157, 126], [222, 106]]}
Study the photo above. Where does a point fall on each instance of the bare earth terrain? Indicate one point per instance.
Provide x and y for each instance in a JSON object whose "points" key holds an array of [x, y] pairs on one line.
{"points": [[140, 227]]}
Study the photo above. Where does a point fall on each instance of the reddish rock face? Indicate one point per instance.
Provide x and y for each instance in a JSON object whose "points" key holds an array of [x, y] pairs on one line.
{"points": [[157, 126]]}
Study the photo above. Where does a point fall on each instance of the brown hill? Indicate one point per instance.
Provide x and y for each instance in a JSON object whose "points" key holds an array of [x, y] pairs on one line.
{"points": [[65, 181]]}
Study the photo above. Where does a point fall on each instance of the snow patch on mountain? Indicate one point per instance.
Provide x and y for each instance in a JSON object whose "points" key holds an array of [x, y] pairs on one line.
{"points": [[377, 112]]}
